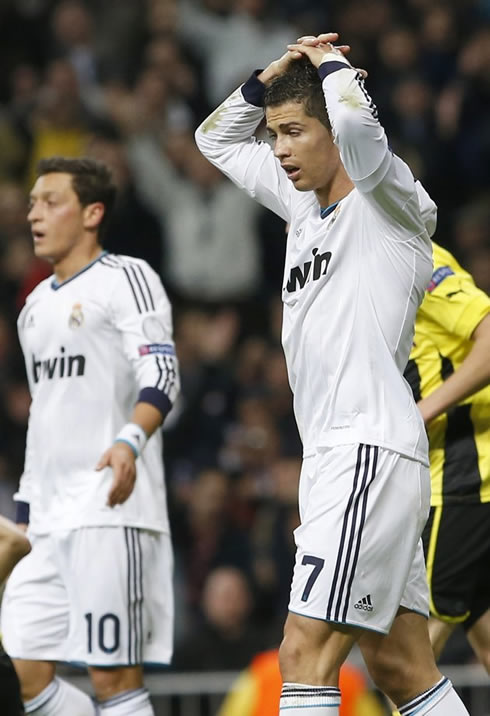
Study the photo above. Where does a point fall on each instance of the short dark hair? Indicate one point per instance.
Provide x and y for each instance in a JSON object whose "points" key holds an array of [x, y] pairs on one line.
{"points": [[299, 83], [91, 181]]}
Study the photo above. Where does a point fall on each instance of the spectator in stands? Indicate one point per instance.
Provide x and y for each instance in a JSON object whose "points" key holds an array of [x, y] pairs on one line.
{"points": [[226, 638]]}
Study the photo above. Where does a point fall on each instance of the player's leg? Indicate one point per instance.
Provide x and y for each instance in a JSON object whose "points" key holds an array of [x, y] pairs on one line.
{"points": [[479, 637], [13, 546], [9, 687], [457, 548], [120, 691], [128, 619], [439, 633], [351, 568], [34, 627], [402, 663], [310, 657]]}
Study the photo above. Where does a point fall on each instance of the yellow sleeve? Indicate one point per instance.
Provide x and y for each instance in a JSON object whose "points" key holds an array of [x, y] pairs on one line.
{"points": [[240, 701], [454, 302]]}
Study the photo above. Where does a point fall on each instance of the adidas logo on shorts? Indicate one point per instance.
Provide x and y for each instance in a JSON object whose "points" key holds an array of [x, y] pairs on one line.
{"points": [[364, 603]]}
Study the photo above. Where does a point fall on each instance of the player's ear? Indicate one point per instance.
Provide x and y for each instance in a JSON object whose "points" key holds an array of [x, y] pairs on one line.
{"points": [[93, 215]]}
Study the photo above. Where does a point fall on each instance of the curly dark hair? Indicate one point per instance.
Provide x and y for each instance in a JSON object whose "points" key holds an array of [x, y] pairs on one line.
{"points": [[91, 181], [299, 83]]}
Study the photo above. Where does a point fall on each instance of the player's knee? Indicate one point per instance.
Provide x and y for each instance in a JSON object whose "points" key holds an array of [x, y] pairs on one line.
{"points": [[483, 655], [389, 672], [109, 682], [34, 677]]}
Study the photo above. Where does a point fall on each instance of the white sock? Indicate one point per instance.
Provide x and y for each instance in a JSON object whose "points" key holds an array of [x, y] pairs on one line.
{"points": [[60, 698], [304, 700], [128, 703], [440, 700]]}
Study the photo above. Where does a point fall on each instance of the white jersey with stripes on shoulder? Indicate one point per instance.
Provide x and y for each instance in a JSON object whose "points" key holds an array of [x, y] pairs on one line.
{"points": [[91, 345], [355, 273]]}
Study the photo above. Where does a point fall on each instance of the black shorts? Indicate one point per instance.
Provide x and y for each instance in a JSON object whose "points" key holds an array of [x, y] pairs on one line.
{"points": [[10, 700], [457, 553]]}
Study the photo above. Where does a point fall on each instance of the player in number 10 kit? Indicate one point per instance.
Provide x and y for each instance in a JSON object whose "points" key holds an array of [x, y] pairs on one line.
{"points": [[97, 341], [358, 259]]}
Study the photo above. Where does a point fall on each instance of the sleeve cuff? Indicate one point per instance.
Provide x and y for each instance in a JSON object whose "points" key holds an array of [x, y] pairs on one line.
{"points": [[253, 90], [155, 397], [22, 513], [328, 66]]}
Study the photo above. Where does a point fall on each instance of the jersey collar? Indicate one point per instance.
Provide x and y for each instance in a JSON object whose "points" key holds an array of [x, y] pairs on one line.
{"points": [[328, 210], [54, 283]]}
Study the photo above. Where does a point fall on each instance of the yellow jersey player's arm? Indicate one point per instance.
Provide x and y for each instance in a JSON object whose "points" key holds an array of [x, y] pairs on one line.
{"points": [[13, 546], [462, 311]]}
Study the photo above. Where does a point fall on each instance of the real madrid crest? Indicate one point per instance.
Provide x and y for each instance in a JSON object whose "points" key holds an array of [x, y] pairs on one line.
{"points": [[76, 316]]}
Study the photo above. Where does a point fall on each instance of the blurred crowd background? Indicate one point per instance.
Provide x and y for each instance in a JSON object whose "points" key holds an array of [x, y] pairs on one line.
{"points": [[128, 82]]}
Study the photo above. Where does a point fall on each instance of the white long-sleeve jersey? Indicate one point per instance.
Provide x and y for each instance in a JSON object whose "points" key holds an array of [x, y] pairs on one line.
{"points": [[353, 281], [91, 345]]}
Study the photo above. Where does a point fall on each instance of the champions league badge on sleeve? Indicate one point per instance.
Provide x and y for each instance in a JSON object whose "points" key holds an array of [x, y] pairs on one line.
{"points": [[76, 316]]}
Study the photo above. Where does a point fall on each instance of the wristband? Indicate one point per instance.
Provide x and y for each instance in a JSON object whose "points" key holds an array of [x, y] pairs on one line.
{"points": [[133, 435]]}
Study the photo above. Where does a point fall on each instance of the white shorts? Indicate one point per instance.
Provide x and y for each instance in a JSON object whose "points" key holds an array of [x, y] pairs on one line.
{"points": [[100, 596], [359, 553]]}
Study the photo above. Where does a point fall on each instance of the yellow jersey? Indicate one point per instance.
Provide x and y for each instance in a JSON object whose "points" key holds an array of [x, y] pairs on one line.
{"points": [[459, 440]]}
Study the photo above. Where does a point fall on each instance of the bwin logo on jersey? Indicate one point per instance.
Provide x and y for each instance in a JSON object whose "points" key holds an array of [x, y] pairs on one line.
{"points": [[61, 366], [76, 316], [300, 275]]}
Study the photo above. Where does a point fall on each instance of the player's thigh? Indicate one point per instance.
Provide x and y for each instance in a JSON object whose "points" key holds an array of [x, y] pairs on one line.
{"points": [[439, 633], [121, 605], [457, 548], [479, 638], [35, 609], [363, 509]]}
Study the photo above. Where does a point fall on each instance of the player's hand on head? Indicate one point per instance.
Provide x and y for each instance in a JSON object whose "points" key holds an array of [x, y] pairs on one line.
{"points": [[278, 67], [120, 457], [316, 46]]}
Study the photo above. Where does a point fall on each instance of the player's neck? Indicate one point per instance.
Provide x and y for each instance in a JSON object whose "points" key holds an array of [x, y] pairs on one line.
{"points": [[335, 190], [75, 261]]}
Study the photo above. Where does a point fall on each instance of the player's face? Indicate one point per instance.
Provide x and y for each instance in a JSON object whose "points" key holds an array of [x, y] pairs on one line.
{"points": [[303, 145], [56, 217]]}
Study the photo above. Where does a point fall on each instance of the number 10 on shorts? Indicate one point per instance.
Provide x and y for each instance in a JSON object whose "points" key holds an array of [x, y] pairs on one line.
{"points": [[107, 632]]}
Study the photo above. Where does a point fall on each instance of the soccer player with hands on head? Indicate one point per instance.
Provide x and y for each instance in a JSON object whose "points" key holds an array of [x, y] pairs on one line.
{"points": [[96, 588], [358, 260]]}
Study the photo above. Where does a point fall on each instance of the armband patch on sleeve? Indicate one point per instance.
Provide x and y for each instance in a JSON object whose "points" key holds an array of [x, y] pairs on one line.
{"points": [[438, 276], [166, 349]]}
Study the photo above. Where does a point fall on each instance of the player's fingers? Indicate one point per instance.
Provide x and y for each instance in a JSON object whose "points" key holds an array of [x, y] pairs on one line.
{"points": [[363, 73], [328, 36], [104, 460], [316, 39], [308, 40], [344, 49]]}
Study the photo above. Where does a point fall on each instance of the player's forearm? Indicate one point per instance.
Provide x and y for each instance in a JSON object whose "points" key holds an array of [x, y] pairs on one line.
{"points": [[471, 376], [148, 416], [233, 123], [359, 135]]}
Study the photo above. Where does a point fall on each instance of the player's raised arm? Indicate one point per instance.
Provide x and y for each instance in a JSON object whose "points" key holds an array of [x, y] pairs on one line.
{"points": [[382, 177], [226, 138]]}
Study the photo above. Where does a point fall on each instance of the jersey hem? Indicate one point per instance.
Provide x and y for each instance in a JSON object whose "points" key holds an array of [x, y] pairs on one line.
{"points": [[416, 455], [41, 532]]}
